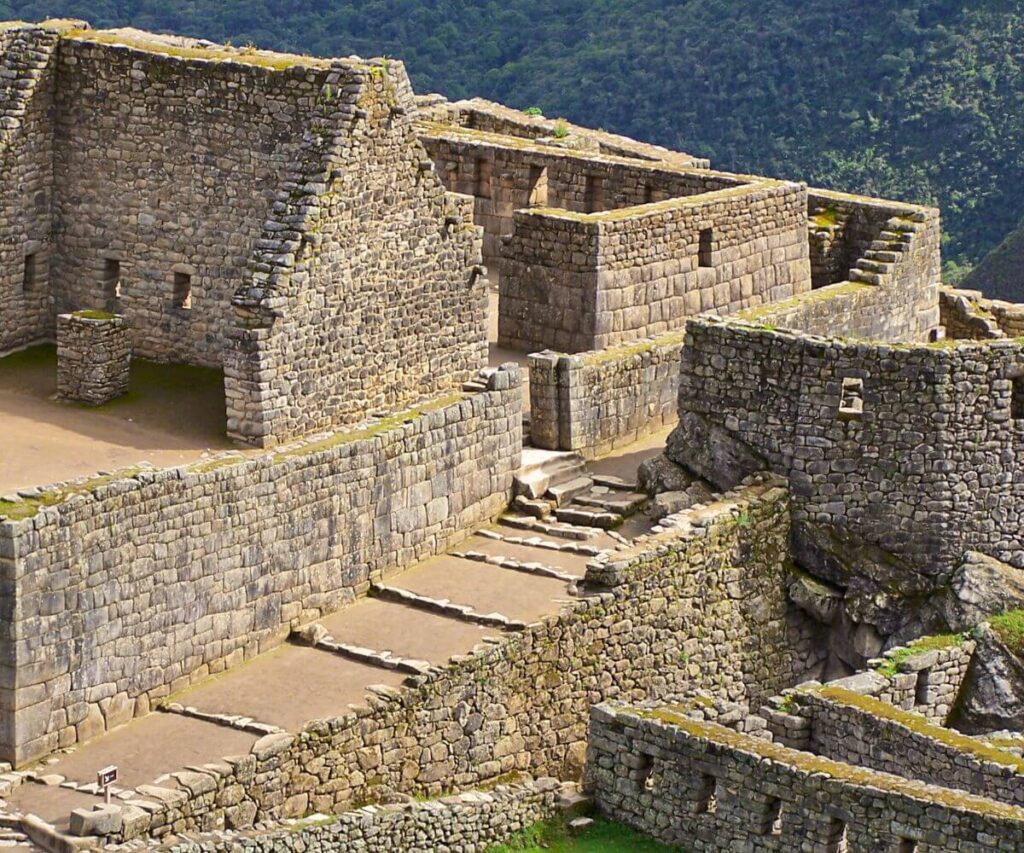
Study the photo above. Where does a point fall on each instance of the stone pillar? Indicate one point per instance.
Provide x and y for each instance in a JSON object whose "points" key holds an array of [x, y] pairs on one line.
{"points": [[93, 357]]}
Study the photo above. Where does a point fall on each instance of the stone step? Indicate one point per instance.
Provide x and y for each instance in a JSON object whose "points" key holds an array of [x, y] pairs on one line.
{"points": [[566, 492], [623, 503], [231, 721], [868, 265], [538, 509], [866, 277], [445, 607], [573, 532], [888, 246], [510, 563], [883, 256], [617, 483], [372, 657], [575, 514], [540, 542], [543, 469]]}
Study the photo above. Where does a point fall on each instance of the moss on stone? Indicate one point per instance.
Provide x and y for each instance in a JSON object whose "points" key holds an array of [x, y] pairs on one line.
{"points": [[369, 431], [624, 351], [918, 724], [158, 46], [18, 510], [94, 315], [936, 642]]}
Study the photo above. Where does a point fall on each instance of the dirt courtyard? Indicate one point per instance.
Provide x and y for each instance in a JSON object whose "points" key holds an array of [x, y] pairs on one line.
{"points": [[171, 416]]}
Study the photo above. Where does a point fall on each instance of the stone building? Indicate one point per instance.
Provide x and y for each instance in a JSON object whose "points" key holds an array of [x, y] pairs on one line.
{"points": [[358, 268]]}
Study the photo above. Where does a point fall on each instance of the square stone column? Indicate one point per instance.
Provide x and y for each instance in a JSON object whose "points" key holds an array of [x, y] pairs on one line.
{"points": [[93, 357]]}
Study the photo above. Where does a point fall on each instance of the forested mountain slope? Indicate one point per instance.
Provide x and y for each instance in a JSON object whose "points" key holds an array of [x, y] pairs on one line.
{"points": [[915, 99]]}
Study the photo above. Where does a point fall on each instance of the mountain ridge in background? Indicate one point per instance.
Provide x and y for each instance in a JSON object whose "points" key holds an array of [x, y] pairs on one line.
{"points": [[921, 100]]}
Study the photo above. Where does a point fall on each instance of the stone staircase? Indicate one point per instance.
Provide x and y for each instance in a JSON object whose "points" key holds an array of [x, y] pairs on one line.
{"points": [[878, 263], [556, 487]]}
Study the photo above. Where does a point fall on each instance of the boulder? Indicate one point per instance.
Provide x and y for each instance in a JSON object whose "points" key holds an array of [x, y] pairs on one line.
{"points": [[992, 696], [820, 600], [712, 452], [981, 587], [660, 474], [669, 503]]}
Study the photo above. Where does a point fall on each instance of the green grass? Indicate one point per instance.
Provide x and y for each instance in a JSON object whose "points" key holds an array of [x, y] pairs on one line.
{"points": [[94, 315], [602, 836], [925, 644], [1009, 627]]}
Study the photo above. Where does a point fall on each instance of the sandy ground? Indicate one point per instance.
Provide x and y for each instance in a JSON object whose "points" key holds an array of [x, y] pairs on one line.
{"points": [[172, 415]]}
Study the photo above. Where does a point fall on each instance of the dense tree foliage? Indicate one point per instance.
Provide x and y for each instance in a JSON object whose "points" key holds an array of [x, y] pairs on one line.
{"points": [[914, 99]]}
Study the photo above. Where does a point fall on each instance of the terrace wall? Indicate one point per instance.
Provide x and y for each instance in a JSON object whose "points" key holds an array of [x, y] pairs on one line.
{"points": [[120, 591], [698, 606], [709, 788]]}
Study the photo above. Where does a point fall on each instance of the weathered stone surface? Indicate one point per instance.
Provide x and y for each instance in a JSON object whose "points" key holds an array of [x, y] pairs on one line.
{"points": [[993, 696]]}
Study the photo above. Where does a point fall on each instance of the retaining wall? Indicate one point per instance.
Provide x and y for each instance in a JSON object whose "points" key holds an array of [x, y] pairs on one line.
{"points": [[472, 823], [709, 788], [121, 590], [594, 402], [968, 314], [699, 605], [905, 450]]}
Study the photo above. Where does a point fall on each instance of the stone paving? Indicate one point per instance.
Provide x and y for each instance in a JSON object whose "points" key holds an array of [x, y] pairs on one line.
{"points": [[502, 574]]}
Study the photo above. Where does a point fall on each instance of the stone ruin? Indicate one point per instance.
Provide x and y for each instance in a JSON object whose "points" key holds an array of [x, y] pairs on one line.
{"points": [[436, 323]]}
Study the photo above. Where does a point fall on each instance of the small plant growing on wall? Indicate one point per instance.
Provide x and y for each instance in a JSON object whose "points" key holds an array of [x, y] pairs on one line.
{"points": [[534, 111], [561, 129]]}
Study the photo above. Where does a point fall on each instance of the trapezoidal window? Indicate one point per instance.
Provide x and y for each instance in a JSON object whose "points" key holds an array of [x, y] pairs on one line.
{"points": [[836, 841], [705, 248], [906, 845], [593, 194], [183, 291], [112, 280], [29, 273], [707, 796], [1017, 398], [773, 818], [538, 186], [483, 177], [851, 404]]}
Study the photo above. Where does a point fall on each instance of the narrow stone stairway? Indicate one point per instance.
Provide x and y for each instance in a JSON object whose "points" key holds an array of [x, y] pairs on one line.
{"points": [[524, 567]]}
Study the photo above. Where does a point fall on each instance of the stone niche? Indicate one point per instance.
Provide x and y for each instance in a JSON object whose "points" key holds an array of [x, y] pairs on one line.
{"points": [[93, 357]]}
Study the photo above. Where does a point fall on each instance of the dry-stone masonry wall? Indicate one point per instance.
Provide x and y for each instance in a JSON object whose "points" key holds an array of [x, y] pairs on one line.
{"points": [[94, 357], [908, 450], [700, 605], [299, 236], [576, 282], [967, 314], [27, 71], [849, 727], [594, 402], [506, 173], [709, 788], [164, 237], [366, 290], [471, 823], [120, 591]]}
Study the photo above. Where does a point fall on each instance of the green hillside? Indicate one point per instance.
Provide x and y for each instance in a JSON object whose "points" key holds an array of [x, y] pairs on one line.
{"points": [[916, 99], [1001, 274]]}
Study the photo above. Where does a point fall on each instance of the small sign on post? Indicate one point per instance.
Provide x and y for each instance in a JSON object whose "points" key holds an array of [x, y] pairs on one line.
{"points": [[105, 778]]}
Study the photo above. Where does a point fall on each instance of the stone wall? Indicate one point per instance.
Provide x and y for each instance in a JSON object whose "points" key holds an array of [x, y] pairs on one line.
{"points": [[968, 314], [121, 590], [594, 402], [893, 289], [505, 173], [129, 218], [700, 605], [907, 451], [27, 80], [849, 727], [580, 282], [710, 788], [366, 290], [472, 823], [94, 357]]}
